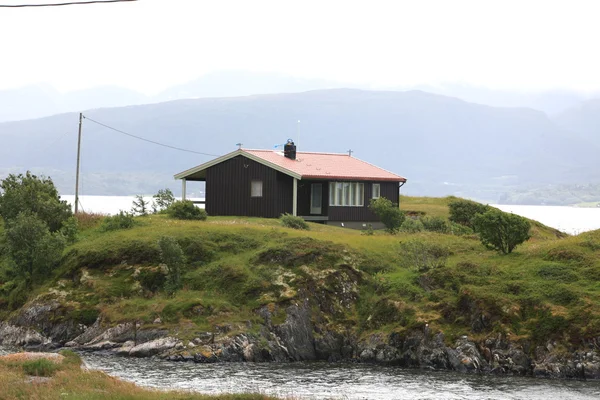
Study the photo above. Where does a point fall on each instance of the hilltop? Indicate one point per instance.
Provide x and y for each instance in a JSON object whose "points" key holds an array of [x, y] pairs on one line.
{"points": [[255, 291]]}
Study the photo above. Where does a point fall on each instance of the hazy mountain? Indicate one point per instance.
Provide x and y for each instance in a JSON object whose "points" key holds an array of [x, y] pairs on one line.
{"points": [[583, 120], [442, 145], [243, 83]]}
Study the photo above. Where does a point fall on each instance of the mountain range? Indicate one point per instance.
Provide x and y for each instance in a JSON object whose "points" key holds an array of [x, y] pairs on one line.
{"points": [[443, 145]]}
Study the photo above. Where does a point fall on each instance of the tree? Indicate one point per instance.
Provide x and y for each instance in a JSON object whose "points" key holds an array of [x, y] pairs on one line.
{"points": [[172, 256], [501, 231], [162, 200], [34, 250], [388, 213], [21, 193], [140, 206]]}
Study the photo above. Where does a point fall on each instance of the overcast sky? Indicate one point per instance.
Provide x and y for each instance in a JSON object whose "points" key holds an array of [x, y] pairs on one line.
{"points": [[150, 45]]}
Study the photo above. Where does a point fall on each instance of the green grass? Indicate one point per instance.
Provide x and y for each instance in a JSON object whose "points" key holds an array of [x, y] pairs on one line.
{"points": [[237, 265]]}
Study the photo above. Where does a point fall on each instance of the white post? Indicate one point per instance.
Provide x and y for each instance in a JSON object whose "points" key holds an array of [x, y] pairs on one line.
{"points": [[183, 188], [295, 198]]}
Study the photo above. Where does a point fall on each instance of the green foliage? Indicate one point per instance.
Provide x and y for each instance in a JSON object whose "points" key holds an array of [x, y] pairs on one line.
{"points": [[152, 279], [423, 255], [459, 230], [39, 367], [435, 224], [28, 193], [122, 220], [462, 211], [172, 256], [33, 249], [412, 225], [186, 210], [70, 230], [163, 199], [388, 213], [140, 206], [290, 221], [18, 295], [368, 231], [501, 231]]}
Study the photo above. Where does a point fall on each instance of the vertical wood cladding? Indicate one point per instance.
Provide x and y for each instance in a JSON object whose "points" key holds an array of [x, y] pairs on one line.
{"points": [[389, 190], [228, 186], [228, 189]]}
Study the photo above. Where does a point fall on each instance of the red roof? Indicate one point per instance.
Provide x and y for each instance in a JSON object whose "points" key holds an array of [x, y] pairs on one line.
{"points": [[327, 166]]}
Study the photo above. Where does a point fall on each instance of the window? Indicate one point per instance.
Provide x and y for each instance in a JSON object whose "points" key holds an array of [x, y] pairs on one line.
{"points": [[346, 194], [256, 189], [376, 191]]}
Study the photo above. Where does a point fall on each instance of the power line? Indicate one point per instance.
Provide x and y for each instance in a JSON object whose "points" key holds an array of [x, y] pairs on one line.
{"points": [[148, 140], [70, 3]]}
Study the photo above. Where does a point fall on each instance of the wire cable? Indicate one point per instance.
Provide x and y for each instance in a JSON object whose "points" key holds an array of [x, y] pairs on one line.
{"points": [[70, 3], [148, 140]]}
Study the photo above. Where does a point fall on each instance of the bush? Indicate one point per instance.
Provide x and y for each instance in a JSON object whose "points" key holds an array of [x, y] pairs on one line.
{"points": [[186, 210], [122, 220], [70, 229], [290, 221], [388, 213], [458, 229], [423, 255], [39, 367], [172, 256], [411, 225], [463, 211], [435, 224], [501, 231]]}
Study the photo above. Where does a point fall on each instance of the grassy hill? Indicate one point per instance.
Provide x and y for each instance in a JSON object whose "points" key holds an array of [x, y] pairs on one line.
{"points": [[547, 289]]}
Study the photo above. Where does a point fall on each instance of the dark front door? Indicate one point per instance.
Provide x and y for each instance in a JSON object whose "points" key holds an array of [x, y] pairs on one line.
{"points": [[316, 198]]}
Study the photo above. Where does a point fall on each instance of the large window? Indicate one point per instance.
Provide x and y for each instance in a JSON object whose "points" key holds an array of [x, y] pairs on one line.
{"points": [[350, 194], [256, 189], [376, 191]]}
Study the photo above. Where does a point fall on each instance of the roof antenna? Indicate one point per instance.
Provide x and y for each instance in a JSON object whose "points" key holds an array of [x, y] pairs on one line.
{"points": [[350, 153], [239, 145]]}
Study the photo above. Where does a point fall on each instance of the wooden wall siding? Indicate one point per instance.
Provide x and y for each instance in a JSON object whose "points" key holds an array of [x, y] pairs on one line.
{"points": [[228, 189], [304, 197], [388, 190]]}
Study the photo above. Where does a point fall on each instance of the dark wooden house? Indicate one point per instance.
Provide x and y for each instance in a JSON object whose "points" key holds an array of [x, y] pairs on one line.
{"points": [[326, 187]]}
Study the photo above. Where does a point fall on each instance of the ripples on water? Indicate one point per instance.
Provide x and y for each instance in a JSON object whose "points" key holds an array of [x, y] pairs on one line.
{"points": [[335, 381]]}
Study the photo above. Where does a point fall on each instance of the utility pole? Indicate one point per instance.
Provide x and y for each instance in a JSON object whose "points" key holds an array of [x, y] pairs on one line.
{"points": [[77, 173]]}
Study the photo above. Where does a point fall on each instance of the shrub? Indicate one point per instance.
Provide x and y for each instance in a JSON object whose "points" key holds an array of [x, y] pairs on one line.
{"points": [[172, 256], [290, 221], [152, 280], [501, 231], [435, 224], [122, 220], [458, 229], [88, 220], [411, 225], [70, 229], [185, 209], [462, 211], [39, 367], [423, 255], [388, 213], [368, 231]]}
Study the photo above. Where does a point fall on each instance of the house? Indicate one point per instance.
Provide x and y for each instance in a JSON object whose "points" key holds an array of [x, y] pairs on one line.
{"points": [[324, 187]]}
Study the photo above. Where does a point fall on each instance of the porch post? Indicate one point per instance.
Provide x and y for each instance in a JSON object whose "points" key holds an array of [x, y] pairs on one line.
{"points": [[295, 198], [183, 188]]}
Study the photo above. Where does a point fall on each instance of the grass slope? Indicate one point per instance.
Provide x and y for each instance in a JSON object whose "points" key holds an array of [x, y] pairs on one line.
{"points": [[548, 288]]}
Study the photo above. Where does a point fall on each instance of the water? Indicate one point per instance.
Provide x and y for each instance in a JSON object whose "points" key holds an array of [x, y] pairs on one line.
{"points": [[337, 381], [572, 220]]}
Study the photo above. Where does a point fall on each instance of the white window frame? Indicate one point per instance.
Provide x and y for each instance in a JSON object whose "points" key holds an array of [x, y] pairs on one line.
{"points": [[373, 195], [346, 194], [256, 188]]}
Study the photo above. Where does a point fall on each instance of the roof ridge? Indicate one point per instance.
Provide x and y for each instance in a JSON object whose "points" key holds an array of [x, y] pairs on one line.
{"points": [[300, 152]]}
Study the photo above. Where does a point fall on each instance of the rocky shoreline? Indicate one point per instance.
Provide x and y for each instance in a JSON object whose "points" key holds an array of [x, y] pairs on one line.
{"points": [[298, 338]]}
